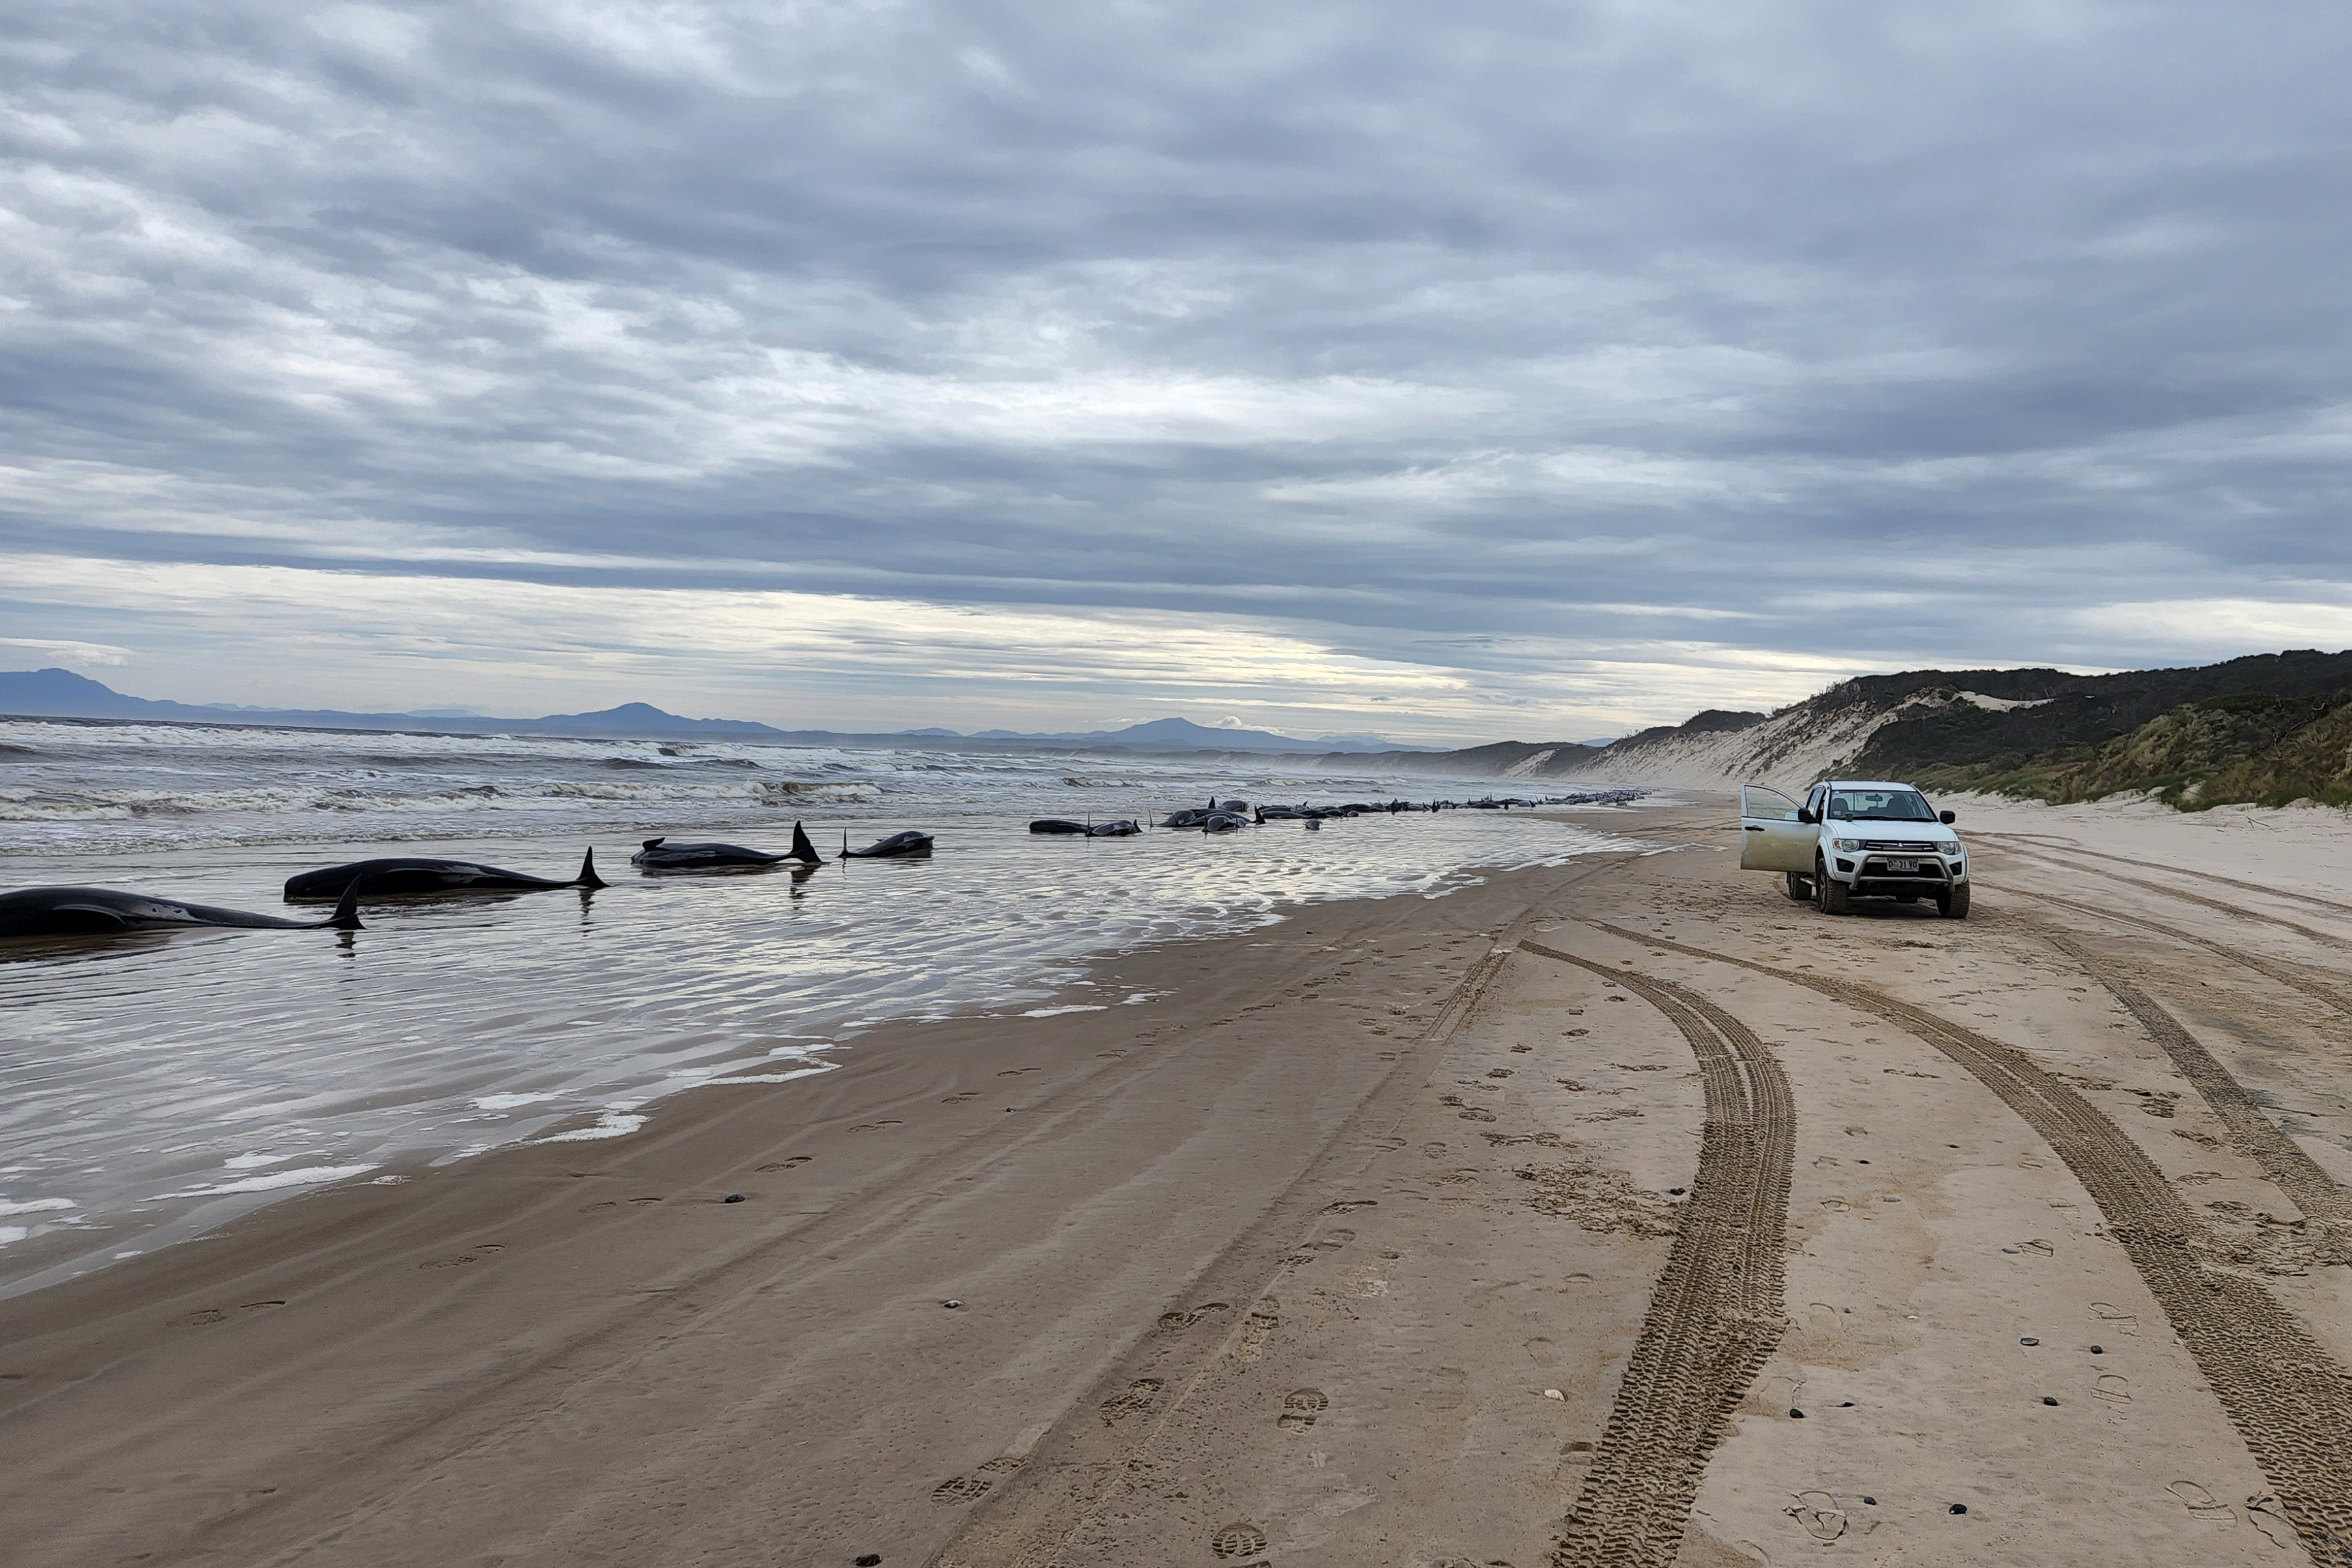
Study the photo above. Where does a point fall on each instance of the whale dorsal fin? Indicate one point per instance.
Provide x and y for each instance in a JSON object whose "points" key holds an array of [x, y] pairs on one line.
{"points": [[653, 843]]}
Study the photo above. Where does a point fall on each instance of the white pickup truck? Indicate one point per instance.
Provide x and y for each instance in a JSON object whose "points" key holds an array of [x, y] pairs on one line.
{"points": [[1854, 838]]}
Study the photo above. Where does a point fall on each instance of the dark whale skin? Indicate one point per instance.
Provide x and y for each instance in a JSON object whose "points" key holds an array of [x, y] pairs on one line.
{"points": [[34, 912], [660, 854], [408, 876], [908, 845]]}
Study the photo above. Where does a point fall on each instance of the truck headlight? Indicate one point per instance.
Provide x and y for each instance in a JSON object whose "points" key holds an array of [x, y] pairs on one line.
{"points": [[1953, 851], [1846, 845]]}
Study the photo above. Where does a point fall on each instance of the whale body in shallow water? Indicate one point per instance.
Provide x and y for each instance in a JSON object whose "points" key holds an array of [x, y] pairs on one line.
{"points": [[898, 846], [106, 912], [1124, 827], [404, 876], [661, 854]]}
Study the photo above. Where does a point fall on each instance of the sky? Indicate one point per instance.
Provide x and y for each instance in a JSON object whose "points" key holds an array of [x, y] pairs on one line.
{"points": [[1451, 373]]}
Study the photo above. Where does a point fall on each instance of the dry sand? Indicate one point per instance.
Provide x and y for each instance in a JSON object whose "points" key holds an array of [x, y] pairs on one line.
{"points": [[1618, 1213]]}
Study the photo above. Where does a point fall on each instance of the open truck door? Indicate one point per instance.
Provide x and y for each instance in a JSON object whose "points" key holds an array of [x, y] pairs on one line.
{"points": [[1770, 837]]}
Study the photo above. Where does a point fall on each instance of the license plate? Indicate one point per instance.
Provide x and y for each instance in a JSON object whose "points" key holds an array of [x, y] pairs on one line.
{"points": [[1902, 865]]}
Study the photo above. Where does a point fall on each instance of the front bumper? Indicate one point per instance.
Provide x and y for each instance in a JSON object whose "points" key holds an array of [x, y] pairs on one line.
{"points": [[1872, 874]]}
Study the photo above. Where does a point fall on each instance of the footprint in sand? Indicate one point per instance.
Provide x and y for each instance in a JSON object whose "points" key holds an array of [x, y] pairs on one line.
{"points": [[1299, 1409], [2113, 1387], [1348, 1205], [1818, 1511], [2038, 1246], [2202, 1504], [1238, 1540], [959, 1099], [645, 1200], [2109, 1312], [786, 1164], [201, 1318], [1836, 1205], [2264, 1513], [1778, 1393], [959, 1488], [1178, 1321], [481, 1251], [259, 1306], [1138, 1397], [1017, 1072], [592, 1208], [878, 1126], [1258, 1327]]}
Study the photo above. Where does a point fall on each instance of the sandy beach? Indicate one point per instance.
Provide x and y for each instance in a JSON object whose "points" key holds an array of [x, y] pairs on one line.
{"points": [[1621, 1211]]}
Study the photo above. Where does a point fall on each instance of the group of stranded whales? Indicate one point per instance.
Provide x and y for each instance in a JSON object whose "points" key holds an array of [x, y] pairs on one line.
{"points": [[69, 912]]}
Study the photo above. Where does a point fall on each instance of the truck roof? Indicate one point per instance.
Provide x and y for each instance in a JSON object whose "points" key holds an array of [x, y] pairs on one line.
{"points": [[1867, 784]]}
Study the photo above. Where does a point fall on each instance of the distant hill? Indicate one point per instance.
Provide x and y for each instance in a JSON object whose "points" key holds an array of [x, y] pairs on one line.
{"points": [[61, 694], [2266, 729]]}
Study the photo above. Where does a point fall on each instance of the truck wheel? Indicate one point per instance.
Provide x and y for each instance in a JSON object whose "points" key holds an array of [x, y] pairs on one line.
{"points": [[1953, 905], [1830, 894], [1801, 888]]}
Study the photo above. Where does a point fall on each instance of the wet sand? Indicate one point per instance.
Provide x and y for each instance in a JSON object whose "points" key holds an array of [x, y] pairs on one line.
{"points": [[1621, 1212]]}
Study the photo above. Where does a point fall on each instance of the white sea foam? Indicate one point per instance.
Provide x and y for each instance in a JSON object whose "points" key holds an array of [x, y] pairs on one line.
{"points": [[308, 1176], [37, 1206], [610, 1124], [1057, 1012]]}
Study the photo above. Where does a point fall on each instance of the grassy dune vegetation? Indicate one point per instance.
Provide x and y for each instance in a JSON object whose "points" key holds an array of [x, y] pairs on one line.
{"points": [[2269, 731]]}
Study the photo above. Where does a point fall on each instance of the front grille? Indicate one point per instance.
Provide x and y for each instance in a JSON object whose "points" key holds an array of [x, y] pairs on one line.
{"points": [[1896, 846]]}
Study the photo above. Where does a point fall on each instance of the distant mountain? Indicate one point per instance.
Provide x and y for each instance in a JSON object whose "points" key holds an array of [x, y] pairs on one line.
{"points": [[61, 694]]}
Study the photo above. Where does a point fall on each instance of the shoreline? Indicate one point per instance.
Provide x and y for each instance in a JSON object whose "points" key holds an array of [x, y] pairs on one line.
{"points": [[495, 1273], [597, 1050], [1366, 1241]]}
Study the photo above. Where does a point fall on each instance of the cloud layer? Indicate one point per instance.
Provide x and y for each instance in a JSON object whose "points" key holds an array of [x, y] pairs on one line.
{"points": [[1455, 372]]}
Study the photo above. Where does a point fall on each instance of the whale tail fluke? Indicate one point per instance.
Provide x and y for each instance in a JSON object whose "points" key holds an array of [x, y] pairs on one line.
{"points": [[346, 916], [803, 849], [588, 877]]}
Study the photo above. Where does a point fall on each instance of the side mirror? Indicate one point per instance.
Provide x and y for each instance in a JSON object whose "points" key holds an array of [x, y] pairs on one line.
{"points": [[1806, 816], [1947, 818]]}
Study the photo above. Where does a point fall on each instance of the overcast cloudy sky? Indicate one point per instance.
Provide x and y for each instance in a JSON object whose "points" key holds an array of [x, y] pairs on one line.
{"points": [[1449, 371]]}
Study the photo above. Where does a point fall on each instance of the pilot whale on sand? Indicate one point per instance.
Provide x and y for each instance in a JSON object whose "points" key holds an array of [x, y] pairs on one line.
{"points": [[661, 854], [403, 876], [106, 912]]}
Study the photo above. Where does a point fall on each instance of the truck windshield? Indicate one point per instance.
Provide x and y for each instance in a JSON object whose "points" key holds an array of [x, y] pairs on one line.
{"points": [[1879, 806]]}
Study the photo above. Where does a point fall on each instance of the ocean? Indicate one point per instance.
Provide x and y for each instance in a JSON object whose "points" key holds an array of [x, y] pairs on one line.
{"points": [[153, 1086]]}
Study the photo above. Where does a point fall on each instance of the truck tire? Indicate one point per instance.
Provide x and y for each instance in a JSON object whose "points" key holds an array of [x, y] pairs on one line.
{"points": [[1830, 894], [1953, 905], [1801, 888]]}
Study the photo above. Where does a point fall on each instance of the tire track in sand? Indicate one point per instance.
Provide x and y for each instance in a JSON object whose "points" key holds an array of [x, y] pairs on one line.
{"points": [[1717, 1310], [2252, 1134], [2289, 1398], [2065, 846], [2284, 975], [2324, 938]]}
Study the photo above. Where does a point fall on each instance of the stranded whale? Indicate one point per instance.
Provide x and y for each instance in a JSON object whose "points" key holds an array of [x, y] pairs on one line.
{"points": [[1123, 828], [405, 876], [898, 846], [660, 854], [104, 911]]}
